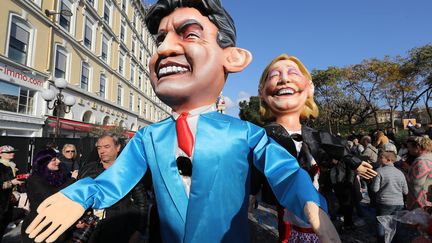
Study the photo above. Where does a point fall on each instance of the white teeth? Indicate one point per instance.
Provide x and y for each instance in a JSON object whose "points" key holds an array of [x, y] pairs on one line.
{"points": [[171, 70], [285, 91]]}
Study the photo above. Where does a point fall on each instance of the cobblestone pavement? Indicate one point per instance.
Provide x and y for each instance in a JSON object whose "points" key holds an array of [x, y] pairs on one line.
{"points": [[264, 227], [263, 222]]}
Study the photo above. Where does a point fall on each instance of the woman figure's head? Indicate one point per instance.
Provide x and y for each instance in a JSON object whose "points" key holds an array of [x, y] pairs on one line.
{"points": [[69, 151], [286, 87], [47, 165]]}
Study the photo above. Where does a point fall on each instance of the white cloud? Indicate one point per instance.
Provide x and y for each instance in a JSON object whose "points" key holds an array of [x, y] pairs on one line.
{"points": [[232, 108], [242, 96], [228, 102]]}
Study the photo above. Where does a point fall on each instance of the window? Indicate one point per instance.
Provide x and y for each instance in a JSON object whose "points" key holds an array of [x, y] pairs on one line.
{"points": [[124, 2], [139, 105], [141, 53], [88, 34], [102, 85], [14, 98], [91, 2], [119, 95], [134, 19], [85, 76], [131, 101], [123, 30], [121, 62], [140, 80], [60, 63], [132, 73], [65, 21], [107, 12], [19, 41], [133, 45], [104, 52], [145, 109]]}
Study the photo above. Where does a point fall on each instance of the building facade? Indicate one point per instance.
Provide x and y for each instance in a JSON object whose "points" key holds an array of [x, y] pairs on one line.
{"points": [[102, 50]]}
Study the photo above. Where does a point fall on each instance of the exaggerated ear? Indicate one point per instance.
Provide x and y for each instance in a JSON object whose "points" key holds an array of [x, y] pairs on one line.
{"points": [[236, 59], [311, 89]]}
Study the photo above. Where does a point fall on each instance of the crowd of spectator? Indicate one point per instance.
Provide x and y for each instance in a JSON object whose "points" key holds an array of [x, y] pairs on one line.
{"points": [[404, 182]]}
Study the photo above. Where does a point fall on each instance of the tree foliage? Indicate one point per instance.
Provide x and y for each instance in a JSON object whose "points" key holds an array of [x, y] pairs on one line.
{"points": [[349, 96], [249, 111]]}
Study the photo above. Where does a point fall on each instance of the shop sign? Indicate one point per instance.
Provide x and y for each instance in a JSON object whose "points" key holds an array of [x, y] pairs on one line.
{"points": [[9, 73]]}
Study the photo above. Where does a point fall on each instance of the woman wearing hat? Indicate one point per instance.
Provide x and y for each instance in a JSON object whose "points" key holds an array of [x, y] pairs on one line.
{"points": [[46, 179], [8, 180]]}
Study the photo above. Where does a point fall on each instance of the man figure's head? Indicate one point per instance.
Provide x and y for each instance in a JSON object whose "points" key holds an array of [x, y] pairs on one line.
{"points": [[108, 147], [195, 52]]}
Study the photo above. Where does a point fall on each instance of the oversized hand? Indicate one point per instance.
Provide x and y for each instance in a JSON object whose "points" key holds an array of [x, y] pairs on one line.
{"points": [[366, 171], [57, 210], [321, 223]]}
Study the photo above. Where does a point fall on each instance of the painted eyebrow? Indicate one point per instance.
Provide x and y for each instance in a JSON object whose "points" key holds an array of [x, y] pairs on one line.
{"points": [[186, 24]]}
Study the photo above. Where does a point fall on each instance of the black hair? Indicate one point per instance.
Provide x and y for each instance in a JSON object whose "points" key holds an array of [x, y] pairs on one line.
{"points": [[211, 8]]}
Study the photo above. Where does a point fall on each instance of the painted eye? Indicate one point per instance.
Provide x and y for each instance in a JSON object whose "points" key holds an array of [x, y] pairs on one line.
{"points": [[191, 35], [273, 73], [293, 71]]}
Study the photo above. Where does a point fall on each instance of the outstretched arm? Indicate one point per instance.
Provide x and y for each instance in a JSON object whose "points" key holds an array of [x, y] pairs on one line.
{"points": [[48, 213], [62, 209], [321, 223], [365, 170]]}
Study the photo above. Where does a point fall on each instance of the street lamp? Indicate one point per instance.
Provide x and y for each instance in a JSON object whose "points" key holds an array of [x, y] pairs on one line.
{"points": [[64, 12], [61, 103]]}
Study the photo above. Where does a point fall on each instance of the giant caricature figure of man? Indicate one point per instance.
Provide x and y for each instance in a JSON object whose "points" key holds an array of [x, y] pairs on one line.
{"points": [[195, 52]]}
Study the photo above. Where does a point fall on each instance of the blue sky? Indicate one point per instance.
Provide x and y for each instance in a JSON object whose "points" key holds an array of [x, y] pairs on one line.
{"points": [[322, 33]]}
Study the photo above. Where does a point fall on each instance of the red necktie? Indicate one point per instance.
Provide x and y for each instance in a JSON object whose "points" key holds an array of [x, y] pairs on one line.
{"points": [[184, 134]]}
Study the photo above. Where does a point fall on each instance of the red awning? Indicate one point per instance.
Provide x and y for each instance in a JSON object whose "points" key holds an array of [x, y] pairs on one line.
{"points": [[77, 126]]}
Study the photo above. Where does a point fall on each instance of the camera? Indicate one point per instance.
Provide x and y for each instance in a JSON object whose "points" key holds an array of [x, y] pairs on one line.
{"points": [[81, 235]]}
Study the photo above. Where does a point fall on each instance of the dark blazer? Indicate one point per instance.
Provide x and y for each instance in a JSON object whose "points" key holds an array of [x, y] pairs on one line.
{"points": [[322, 145]]}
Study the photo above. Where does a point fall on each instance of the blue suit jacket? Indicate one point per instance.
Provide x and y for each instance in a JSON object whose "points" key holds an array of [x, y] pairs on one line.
{"points": [[216, 211]]}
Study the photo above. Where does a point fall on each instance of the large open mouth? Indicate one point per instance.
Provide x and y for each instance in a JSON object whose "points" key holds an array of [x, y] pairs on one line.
{"points": [[171, 68], [285, 92]]}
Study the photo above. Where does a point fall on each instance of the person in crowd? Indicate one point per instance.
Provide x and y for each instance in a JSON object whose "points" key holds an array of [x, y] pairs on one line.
{"points": [[357, 148], [416, 130], [46, 179], [52, 145], [390, 133], [125, 219], [420, 172], [370, 153], [390, 187], [195, 53], [70, 160], [383, 143], [403, 151], [9, 181], [286, 94]]}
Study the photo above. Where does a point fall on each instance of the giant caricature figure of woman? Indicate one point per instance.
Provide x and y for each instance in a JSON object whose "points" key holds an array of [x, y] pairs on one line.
{"points": [[286, 94]]}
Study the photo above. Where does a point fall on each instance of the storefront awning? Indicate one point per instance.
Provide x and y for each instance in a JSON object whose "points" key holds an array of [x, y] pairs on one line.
{"points": [[77, 126]]}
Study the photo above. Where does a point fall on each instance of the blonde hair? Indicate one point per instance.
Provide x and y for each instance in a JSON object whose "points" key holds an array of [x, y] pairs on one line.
{"points": [[424, 142], [310, 109], [69, 145], [390, 155]]}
